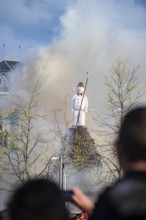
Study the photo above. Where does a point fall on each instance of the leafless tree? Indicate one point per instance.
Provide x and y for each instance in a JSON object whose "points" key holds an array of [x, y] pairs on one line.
{"points": [[124, 89], [29, 146]]}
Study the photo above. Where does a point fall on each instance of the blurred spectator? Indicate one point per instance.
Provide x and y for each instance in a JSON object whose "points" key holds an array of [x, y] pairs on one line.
{"points": [[4, 214], [126, 199], [1, 217], [38, 200]]}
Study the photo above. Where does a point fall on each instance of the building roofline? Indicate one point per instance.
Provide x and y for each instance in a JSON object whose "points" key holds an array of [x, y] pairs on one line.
{"points": [[5, 61]]}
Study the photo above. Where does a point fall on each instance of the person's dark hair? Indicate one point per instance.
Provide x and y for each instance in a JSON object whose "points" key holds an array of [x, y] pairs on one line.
{"points": [[38, 200], [132, 134]]}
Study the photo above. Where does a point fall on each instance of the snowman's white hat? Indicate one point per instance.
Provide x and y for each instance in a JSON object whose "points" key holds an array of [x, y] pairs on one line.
{"points": [[80, 84]]}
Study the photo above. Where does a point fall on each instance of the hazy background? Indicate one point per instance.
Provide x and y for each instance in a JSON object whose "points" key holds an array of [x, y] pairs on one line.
{"points": [[62, 40]]}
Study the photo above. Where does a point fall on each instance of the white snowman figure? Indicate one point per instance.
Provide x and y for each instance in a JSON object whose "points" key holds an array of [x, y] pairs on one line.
{"points": [[79, 106]]}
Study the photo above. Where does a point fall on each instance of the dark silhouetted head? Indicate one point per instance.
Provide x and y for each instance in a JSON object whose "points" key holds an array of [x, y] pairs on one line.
{"points": [[38, 200], [132, 135]]}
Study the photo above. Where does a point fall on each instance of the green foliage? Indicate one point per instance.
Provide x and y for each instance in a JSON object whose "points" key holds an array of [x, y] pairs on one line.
{"points": [[83, 149]]}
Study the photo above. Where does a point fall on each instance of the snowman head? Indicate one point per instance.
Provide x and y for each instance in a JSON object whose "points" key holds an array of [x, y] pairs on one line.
{"points": [[80, 88]]}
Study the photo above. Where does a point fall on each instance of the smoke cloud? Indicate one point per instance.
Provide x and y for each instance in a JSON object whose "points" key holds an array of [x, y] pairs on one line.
{"points": [[93, 35]]}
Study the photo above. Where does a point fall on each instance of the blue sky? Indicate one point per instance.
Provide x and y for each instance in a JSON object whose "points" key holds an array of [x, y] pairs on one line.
{"points": [[33, 23], [29, 23]]}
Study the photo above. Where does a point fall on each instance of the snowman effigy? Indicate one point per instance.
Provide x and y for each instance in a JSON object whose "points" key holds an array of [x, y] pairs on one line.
{"points": [[79, 106], [81, 147]]}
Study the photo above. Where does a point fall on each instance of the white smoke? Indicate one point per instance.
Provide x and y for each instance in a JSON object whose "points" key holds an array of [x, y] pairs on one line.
{"points": [[93, 35]]}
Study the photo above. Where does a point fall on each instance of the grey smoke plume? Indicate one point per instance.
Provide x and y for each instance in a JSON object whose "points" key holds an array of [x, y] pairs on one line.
{"points": [[94, 33]]}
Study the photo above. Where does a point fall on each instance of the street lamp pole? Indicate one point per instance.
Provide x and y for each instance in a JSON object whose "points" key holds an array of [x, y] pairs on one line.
{"points": [[62, 175]]}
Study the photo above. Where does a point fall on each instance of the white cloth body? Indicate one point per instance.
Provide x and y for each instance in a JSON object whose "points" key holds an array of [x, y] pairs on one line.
{"points": [[79, 115]]}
